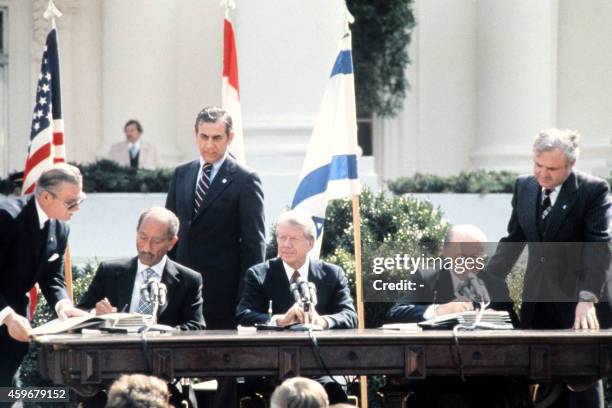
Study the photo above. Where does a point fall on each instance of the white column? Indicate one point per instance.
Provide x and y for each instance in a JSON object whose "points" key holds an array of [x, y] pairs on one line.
{"points": [[517, 80], [284, 69], [434, 132], [139, 73], [585, 83]]}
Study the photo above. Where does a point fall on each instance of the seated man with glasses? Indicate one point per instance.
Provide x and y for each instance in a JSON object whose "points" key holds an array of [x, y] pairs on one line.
{"points": [[32, 245]]}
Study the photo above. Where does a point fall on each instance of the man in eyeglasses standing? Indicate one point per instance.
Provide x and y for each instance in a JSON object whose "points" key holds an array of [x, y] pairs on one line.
{"points": [[32, 245]]}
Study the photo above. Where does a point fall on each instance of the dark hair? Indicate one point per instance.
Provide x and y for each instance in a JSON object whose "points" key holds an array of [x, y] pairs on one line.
{"points": [[135, 123], [212, 114]]}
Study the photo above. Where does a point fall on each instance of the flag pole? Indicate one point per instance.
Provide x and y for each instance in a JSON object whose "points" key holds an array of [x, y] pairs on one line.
{"points": [[363, 380], [227, 4], [52, 12]]}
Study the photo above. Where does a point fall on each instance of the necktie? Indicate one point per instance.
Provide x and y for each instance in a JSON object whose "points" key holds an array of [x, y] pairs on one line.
{"points": [[546, 204], [133, 151], [202, 187], [295, 276], [145, 307]]}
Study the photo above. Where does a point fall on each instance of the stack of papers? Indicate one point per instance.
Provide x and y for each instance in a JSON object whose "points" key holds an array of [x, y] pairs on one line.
{"points": [[491, 319], [128, 321]]}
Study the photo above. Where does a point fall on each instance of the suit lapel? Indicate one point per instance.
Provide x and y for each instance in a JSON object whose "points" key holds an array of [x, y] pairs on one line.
{"points": [[124, 292], [563, 205], [529, 209], [222, 179], [189, 186], [34, 229], [171, 280], [278, 287]]}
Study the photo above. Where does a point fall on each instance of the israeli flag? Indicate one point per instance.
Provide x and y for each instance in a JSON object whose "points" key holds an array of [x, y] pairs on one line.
{"points": [[330, 166]]}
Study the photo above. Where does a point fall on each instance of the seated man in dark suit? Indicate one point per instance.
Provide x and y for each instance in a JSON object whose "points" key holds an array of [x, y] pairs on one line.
{"points": [[438, 296], [116, 285], [270, 282]]}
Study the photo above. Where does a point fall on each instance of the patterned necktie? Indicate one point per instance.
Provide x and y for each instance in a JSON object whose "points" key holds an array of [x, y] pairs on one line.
{"points": [[202, 187], [294, 277], [145, 307], [546, 204]]}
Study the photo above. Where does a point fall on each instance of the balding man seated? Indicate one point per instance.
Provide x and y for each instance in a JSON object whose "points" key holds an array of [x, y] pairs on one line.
{"points": [[438, 296], [116, 285]]}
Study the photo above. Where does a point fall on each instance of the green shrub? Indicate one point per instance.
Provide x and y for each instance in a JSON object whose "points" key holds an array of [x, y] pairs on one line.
{"points": [[478, 181]]}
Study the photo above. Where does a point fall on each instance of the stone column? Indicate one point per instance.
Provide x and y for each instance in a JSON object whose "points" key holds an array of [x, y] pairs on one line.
{"points": [[139, 73], [517, 80]]}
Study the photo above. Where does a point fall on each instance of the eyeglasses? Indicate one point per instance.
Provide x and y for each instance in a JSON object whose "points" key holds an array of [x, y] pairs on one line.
{"points": [[71, 205]]}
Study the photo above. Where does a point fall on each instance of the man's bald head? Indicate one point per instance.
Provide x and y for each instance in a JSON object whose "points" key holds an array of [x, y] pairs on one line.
{"points": [[464, 242]]}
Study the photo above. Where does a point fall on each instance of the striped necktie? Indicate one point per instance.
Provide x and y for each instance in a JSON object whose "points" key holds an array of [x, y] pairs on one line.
{"points": [[546, 204], [145, 307], [295, 277], [202, 187]]}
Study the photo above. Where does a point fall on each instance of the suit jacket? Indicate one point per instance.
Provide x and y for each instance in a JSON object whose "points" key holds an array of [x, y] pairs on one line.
{"points": [[570, 256], [147, 158], [437, 288], [225, 237], [29, 255], [268, 281], [115, 281]]}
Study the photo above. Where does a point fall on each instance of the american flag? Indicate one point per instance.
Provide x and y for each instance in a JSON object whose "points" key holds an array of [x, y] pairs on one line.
{"points": [[47, 134], [46, 145]]}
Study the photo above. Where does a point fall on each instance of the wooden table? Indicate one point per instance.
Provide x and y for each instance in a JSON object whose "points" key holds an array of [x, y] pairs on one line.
{"points": [[87, 363]]}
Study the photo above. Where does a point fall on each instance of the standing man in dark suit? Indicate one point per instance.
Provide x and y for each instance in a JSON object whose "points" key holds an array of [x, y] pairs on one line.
{"points": [[437, 294], [219, 203], [32, 245], [270, 282], [116, 284], [563, 216]]}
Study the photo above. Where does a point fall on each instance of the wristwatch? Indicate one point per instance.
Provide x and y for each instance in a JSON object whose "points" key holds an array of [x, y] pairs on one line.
{"points": [[586, 296]]}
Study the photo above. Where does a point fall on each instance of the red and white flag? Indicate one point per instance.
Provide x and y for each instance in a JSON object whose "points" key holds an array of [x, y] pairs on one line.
{"points": [[230, 89], [46, 145]]}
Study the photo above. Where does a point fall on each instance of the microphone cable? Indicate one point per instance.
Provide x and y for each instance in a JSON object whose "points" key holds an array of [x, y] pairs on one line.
{"points": [[463, 326]]}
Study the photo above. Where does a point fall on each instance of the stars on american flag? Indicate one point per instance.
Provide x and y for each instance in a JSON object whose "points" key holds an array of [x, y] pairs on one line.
{"points": [[42, 111]]}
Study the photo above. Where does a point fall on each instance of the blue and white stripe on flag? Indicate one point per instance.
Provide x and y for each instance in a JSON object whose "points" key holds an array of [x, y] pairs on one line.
{"points": [[330, 166]]}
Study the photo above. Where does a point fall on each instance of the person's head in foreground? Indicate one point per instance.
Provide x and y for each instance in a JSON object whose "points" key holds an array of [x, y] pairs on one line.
{"points": [[299, 392], [138, 391]]}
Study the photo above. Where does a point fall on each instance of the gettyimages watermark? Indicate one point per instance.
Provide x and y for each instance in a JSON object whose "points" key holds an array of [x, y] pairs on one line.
{"points": [[534, 272]]}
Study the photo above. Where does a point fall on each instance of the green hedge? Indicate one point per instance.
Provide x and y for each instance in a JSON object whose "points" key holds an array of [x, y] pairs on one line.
{"points": [[106, 176], [478, 181]]}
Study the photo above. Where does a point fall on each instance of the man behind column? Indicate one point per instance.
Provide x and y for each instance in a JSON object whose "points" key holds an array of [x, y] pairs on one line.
{"points": [[32, 245], [134, 152], [563, 215], [116, 284]]}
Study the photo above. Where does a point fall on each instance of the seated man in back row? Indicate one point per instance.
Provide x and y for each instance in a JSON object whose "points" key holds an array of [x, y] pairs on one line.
{"points": [[117, 284], [269, 282]]}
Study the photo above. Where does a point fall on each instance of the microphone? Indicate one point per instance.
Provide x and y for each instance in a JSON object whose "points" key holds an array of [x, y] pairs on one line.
{"points": [[163, 293], [295, 292], [313, 293], [304, 289], [474, 289]]}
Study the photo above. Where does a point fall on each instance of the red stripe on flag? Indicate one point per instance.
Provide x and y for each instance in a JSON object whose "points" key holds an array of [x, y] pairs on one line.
{"points": [[230, 58], [41, 154]]}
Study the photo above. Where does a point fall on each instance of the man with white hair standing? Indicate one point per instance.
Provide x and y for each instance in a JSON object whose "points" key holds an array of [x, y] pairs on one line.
{"points": [[563, 216]]}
